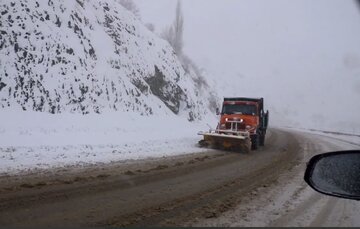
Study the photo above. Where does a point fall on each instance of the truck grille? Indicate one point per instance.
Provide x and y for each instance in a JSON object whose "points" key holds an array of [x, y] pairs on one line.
{"points": [[241, 126]]}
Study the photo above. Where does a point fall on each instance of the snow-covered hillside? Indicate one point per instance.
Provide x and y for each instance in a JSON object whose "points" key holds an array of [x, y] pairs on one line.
{"points": [[89, 57]]}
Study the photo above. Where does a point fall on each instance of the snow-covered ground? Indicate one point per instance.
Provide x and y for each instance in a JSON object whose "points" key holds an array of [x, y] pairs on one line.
{"points": [[345, 137], [34, 140]]}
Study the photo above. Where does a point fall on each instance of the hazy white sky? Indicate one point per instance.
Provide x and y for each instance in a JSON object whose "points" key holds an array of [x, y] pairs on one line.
{"points": [[303, 56]]}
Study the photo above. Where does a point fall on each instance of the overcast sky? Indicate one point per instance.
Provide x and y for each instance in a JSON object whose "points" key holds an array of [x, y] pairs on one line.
{"points": [[303, 56]]}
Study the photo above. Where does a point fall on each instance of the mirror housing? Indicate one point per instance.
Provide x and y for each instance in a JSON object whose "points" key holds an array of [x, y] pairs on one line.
{"points": [[335, 174]]}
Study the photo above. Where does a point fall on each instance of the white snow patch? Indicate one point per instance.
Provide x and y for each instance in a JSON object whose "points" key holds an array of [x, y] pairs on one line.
{"points": [[34, 140]]}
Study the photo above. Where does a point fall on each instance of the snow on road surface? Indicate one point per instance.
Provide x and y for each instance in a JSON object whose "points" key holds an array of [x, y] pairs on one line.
{"points": [[30, 140], [290, 201]]}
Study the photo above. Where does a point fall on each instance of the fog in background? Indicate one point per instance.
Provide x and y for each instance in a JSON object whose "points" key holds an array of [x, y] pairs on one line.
{"points": [[302, 56]]}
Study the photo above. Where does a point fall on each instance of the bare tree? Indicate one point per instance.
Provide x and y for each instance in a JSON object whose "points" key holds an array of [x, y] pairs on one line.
{"points": [[178, 29], [174, 33]]}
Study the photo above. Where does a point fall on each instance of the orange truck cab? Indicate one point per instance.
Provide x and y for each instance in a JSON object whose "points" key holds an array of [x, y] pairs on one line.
{"points": [[251, 116]]}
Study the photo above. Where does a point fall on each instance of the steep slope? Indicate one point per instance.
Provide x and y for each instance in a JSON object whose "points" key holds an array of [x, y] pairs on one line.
{"points": [[91, 56]]}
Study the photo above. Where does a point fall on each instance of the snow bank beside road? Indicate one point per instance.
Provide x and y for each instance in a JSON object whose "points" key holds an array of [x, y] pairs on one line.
{"points": [[345, 137], [31, 140]]}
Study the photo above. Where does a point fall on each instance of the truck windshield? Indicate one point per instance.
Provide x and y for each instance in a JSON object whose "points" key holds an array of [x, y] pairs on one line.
{"points": [[239, 109]]}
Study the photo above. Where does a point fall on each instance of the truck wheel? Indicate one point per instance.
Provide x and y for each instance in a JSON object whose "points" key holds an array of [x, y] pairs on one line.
{"points": [[262, 140], [255, 142]]}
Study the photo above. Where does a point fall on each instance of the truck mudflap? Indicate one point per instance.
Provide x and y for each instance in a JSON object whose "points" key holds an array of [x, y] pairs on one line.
{"points": [[229, 140]]}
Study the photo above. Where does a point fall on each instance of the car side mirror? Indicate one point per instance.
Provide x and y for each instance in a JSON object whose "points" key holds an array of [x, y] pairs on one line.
{"points": [[335, 174], [217, 111]]}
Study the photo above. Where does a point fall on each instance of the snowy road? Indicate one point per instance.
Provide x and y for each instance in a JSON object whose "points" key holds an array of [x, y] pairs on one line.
{"points": [[214, 188], [290, 201]]}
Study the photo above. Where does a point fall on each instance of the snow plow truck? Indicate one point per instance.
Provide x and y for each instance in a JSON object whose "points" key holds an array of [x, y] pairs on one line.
{"points": [[242, 125]]}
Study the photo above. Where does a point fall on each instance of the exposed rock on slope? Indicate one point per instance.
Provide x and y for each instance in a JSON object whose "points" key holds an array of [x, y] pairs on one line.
{"points": [[91, 56]]}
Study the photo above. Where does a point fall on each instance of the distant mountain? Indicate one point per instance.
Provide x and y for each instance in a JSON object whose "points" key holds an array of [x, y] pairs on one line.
{"points": [[92, 56]]}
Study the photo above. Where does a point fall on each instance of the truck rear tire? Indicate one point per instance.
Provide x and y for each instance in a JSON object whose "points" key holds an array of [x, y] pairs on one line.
{"points": [[255, 140], [262, 140]]}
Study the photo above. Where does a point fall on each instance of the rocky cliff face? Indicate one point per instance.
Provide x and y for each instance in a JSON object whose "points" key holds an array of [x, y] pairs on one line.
{"points": [[91, 56]]}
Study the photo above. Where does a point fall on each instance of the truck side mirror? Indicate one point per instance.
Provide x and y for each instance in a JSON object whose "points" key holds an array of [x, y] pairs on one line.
{"points": [[217, 111]]}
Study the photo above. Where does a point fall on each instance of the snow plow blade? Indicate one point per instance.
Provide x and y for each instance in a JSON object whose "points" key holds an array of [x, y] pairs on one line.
{"points": [[225, 141]]}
